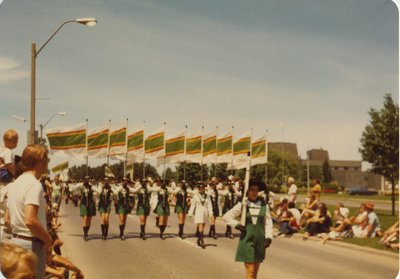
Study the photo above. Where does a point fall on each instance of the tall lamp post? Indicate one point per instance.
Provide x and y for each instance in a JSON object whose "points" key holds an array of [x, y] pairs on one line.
{"points": [[34, 53], [47, 122], [282, 163]]}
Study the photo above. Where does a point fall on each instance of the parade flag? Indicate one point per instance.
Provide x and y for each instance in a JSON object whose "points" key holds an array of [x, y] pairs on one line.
{"points": [[210, 147], [240, 149], [68, 141], [118, 142], [98, 142], [174, 149], [193, 148], [135, 144], [224, 148], [108, 172], [259, 151], [61, 170], [154, 145]]}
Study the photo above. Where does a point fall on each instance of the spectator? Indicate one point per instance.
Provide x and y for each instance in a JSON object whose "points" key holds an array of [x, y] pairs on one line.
{"points": [[310, 209], [295, 219], [284, 219], [373, 226], [360, 223], [319, 223], [26, 207], [292, 192], [17, 262], [391, 234], [7, 157], [342, 228], [316, 189]]}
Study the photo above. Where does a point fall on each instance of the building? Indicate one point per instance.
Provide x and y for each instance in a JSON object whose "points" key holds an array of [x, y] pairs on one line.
{"points": [[287, 147]]}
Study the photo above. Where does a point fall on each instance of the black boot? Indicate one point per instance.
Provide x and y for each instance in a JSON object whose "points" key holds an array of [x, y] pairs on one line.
{"points": [[210, 233], [214, 232], [103, 233], [121, 232], [157, 221], [162, 229], [227, 231], [197, 231], [230, 233], [85, 233], [181, 231], [200, 240], [142, 232]]}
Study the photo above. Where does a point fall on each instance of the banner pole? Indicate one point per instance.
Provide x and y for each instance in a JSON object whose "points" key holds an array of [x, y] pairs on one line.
{"points": [[201, 159], [87, 152]]}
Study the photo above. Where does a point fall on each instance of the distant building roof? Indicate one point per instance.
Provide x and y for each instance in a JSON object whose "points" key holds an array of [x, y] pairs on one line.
{"points": [[318, 154], [334, 163]]}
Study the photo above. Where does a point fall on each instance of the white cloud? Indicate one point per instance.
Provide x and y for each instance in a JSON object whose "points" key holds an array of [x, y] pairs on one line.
{"points": [[11, 70]]}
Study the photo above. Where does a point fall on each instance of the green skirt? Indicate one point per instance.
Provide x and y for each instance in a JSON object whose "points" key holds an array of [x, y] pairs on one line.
{"points": [[161, 211], [179, 209], [91, 211], [120, 209], [251, 245], [102, 209], [141, 210]]}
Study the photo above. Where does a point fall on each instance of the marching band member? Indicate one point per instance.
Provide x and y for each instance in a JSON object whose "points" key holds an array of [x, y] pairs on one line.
{"points": [[87, 206], [181, 207], [142, 190], [122, 205], [214, 198], [230, 197], [104, 206], [162, 208], [256, 234], [201, 208]]}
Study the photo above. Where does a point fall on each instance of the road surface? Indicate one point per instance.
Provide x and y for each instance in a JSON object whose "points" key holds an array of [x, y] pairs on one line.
{"points": [[176, 258]]}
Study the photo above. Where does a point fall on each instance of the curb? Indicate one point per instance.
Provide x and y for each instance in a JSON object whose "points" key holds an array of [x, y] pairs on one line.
{"points": [[349, 246]]}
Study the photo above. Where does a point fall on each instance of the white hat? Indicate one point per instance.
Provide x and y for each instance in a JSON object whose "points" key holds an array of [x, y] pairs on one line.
{"points": [[230, 177]]}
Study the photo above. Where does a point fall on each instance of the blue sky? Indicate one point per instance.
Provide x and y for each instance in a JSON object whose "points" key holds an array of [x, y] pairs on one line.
{"points": [[315, 66]]}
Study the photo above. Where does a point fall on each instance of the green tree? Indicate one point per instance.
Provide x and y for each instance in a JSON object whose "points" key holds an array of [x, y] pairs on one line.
{"points": [[380, 142], [326, 172], [192, 172]]}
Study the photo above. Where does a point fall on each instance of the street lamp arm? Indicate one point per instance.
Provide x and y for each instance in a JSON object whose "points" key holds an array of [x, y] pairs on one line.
{"points": [[47, 122], [51, 37]]}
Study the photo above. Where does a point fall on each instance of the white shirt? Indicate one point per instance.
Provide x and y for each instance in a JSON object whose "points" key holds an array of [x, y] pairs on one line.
{"points": [[26, 189], [7, 155]]}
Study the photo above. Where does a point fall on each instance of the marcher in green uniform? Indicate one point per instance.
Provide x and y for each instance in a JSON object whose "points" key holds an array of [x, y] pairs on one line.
{"points": [[229, 202], [256, 234], [104, 207], [143, 205], [162, 208], [214, 197], [87, 206], [123, 205], [181, 207]]}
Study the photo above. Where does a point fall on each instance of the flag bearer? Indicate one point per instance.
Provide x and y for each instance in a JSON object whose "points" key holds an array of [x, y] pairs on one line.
{"points": [[87, 206], [104, 206], [256, 233]]}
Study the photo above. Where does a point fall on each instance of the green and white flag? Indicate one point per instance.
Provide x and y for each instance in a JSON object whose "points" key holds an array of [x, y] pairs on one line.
{"points": [[136, 144], [108, 172], [154, 145], [98, 142], [224, 148], [118, 142], [193, 148], [259, 151], [67, 142], [240, 149], [174, 149], [61, 170], [210, 147]]}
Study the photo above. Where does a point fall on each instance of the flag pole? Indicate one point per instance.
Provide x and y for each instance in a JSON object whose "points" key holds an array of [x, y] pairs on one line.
{"points": [[233, 127], [87, 152], [216, 154], [144, 153], [201, 159], [109, 137], [246, 184], [184, 161], [266, 155], [164, 156], [126, 148]]}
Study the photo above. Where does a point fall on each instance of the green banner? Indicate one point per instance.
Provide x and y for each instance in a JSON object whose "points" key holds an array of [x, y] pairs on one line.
{"points": [[224, 146], [242, 146], [67, 140], [210, 146], [118, 138], [135, 141], [175, 146], [193, 145], [154, 143], [98, 140]]}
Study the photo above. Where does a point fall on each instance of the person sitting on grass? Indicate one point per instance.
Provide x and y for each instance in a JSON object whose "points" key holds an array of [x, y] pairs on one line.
{"points": [[342, 227], [391, 235], [359, 223], [284, 219], [309, 210], [319, 223], [373, 226]]}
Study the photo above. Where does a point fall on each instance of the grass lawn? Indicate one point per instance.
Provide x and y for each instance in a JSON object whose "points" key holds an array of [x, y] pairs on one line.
{"points": [[357, 197]]}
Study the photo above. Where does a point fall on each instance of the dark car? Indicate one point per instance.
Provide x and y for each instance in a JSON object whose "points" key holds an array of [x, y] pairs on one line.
{"points": [[361, 191]]}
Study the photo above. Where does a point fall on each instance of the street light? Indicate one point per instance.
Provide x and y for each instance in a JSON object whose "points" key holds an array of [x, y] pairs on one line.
{"points": [[47, 122], [282, 165], [34, 53]]}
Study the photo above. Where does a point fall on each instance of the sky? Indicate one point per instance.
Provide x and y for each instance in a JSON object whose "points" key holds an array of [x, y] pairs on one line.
{"points": [[307, 71]]}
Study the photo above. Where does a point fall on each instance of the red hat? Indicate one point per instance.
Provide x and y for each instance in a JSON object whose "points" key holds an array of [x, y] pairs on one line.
{"points": [[369, 206]]}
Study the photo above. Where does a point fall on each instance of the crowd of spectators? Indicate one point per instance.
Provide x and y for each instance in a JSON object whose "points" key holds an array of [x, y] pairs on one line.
{"points": [[30, 246]]}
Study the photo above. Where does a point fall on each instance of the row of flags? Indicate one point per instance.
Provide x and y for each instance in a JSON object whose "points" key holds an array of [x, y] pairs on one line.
{"points": [[199, 147]]}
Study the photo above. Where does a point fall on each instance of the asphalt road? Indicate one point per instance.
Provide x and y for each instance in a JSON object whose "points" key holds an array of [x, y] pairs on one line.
{"points": [[176, 258]]}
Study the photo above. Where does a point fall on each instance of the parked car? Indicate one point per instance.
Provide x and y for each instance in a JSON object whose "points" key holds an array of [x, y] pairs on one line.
{"points": [[357, 190]]}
